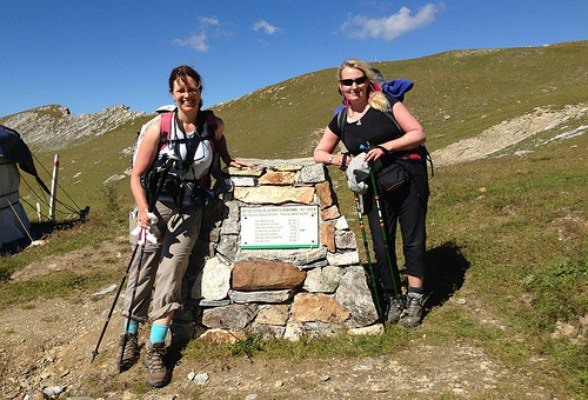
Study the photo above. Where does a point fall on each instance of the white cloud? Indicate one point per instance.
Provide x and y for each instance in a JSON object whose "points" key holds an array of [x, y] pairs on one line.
{"points": [[196, 42], [199, 42], [208, 21], [265, 27], [389, 28]]}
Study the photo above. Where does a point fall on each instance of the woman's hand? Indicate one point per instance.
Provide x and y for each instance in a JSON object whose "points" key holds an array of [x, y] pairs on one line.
{"points": [[240, 164], [143, 219], [374, 154]]}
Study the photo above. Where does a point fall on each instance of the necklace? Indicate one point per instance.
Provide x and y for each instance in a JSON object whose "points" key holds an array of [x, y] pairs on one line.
{"points": [[352, 114]]}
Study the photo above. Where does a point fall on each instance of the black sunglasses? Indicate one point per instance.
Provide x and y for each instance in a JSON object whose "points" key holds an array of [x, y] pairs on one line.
{"points": [[349, 82]]}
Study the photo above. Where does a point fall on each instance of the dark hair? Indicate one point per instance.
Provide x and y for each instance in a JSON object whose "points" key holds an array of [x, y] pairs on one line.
{"points": [[182, 73]]}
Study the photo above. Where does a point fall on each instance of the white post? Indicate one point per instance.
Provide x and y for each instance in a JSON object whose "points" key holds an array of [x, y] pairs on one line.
{"points": [[54, 188], [39, 211]]}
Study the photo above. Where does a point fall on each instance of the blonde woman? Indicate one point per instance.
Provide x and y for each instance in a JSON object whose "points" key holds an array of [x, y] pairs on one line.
{"points": [[388, 142]]}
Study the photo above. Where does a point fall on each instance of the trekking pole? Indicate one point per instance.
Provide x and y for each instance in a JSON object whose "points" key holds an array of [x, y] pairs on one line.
{"points": [[371, 273], [122, 282], [391, 266], [133, 293]]}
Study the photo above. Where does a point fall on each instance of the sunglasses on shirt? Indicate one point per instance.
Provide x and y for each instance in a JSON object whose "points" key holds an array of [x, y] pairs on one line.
{"points": [[358, 81]]}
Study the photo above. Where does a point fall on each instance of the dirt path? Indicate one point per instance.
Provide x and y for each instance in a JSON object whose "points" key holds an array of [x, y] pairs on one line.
{"points": [[508, 133], [48, 345]]}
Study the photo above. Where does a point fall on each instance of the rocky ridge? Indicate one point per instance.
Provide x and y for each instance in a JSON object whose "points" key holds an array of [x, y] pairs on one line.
{"points": [[54, 127]]}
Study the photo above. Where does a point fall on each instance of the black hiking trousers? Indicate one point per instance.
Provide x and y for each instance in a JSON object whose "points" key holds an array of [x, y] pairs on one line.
{"points": [[407, 206]]}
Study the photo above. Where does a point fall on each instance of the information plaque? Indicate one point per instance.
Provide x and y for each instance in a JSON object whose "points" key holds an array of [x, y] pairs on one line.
{"points": [[284, 227]]}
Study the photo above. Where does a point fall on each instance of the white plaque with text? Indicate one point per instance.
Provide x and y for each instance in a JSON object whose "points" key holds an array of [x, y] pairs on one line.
{"points": [[273, 227]]}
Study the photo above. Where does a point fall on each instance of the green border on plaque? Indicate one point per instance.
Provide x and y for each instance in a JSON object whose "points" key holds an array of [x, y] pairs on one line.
{"points": [[286, 246]]}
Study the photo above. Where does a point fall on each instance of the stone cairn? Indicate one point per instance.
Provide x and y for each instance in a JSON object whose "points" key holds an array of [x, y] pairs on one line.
{"points": [[278, 293]]}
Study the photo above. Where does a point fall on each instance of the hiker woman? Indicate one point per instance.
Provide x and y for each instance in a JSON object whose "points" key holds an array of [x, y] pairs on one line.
{"points": [[181, 145], [368, 125]]}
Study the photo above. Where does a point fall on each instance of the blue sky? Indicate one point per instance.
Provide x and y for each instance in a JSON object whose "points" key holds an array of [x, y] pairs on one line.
{"points": [[89, 55]]}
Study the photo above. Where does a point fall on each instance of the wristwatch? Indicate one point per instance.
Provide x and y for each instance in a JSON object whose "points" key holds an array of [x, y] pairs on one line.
{"points": [[343, 166]]}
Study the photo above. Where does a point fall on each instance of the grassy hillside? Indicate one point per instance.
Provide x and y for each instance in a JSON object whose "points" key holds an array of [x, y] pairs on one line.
{"points": [[456, 95], [475, 89]]}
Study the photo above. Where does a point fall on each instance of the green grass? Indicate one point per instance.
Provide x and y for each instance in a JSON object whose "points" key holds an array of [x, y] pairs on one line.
{"points": [[307, 348], [89, 234], [511, 232], [520, 268], [66, 285]]}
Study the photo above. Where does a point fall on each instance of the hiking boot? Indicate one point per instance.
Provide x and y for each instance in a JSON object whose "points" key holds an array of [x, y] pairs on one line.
{"points": [[395, 309], [130, 350], [413, 313], [157, 375]]}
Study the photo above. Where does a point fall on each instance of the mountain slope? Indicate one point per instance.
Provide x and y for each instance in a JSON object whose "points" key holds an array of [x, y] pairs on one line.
{"points": [[457, 95]]}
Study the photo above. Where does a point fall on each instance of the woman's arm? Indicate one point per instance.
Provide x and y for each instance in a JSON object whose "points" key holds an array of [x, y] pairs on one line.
{"points": [[323, 152], [222, 147], [413, 133], [145, 156]]}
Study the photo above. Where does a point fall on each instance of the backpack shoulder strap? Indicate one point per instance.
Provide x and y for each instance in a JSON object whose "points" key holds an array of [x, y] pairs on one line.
{"points": [[341, 118], [166, 125], [211, 124]]}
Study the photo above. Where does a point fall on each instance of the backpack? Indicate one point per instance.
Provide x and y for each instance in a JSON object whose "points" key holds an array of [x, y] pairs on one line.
{"points": [[166, 113], [395, 89], [162, 174], [141, 134]]}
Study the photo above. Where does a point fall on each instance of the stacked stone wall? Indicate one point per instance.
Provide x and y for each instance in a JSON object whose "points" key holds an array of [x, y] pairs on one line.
{"points": [[281, 293]]}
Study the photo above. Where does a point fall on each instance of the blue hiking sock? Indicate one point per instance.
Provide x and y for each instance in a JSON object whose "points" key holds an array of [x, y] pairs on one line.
{"points": [[132, 326], [158, 333]]}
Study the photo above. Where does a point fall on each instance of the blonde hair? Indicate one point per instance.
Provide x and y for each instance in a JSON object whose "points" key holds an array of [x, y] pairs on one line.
{"points": [[376, 99]]}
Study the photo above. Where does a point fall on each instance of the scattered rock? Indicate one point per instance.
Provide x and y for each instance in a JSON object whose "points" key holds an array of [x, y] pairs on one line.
{"points": [[200, 379], [106, 290], [54, 390]]}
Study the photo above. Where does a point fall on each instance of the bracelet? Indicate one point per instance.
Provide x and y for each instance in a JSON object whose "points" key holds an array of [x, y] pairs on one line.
{"points": [[331, 159]]}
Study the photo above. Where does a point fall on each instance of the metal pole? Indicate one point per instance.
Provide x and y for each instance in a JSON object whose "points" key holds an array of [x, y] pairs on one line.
{"points": [[54, 188], [95, 352], [391, 266], [131, 304], [374, 282]]}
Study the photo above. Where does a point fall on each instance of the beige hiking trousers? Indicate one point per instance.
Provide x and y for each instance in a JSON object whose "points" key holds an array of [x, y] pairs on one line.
{"points": [[162, 265]]}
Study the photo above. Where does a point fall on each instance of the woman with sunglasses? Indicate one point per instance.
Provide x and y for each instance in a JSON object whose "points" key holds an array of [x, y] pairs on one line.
{"points": [[194, 135], [368, 125]]}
